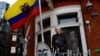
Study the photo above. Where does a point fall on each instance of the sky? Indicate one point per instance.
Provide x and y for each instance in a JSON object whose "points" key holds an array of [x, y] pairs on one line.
{"points": [[9, 1]]}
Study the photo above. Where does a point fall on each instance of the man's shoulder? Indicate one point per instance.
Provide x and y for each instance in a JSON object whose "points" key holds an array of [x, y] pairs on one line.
{"points": [[55, 35]]}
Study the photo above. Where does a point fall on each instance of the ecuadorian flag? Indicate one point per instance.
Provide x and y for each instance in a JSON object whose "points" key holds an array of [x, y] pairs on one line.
{"points": [[20, 12]]}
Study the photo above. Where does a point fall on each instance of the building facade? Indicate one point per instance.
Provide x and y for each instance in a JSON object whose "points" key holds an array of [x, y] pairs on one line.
{"points": [[79, 21], [4, 30], [76, 20]]}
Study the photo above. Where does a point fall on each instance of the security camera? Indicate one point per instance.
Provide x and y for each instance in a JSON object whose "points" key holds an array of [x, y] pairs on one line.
{"points": [[94, 14], [89, 5]]}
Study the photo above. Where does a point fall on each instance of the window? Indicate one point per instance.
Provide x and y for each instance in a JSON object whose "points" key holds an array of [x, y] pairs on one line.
{"points": [[39, 38], [72, 32], [46, 23], [13, 49], [73, 38], [14, 37], [67, 18], [3, 7], [47, 38]]}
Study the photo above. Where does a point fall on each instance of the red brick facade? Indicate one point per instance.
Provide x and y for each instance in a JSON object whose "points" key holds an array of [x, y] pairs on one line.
{"points": [[92, 38]]}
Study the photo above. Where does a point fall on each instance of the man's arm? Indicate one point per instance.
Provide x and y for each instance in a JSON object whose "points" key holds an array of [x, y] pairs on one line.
{"points": [[53, 41]]}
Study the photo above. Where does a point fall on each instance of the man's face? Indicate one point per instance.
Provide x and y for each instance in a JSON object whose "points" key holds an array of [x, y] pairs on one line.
{"points": [[57, 30]]}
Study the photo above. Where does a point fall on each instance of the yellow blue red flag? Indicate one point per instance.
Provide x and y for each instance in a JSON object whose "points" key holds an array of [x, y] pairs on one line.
{"points": [[20, 12]]}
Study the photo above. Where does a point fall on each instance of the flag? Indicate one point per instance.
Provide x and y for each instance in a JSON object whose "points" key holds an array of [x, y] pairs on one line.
{"points": [[20, 12]]}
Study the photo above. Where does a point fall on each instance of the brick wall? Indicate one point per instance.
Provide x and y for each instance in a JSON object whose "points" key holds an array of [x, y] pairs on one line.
{"points": [[93, 37], [31, 43]]}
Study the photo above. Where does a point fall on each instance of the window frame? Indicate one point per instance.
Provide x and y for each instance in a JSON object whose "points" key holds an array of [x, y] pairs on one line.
{"points": [[54, 22]]}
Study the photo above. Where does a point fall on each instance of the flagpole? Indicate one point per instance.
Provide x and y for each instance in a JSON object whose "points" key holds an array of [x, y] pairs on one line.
{"points": [[27, 32], [41, 25]]}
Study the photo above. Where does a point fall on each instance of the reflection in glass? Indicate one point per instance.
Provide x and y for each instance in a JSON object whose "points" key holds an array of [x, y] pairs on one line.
{"points": [[13, 49], [46, 23], [47, 38], [39, 38], [67, 18], [73, 38]]}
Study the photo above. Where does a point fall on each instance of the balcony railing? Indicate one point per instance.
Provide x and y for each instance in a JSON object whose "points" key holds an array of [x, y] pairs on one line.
{"points": [[68, 53]]}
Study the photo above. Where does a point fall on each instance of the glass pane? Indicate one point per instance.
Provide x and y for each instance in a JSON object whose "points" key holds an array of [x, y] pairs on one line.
{"points": [[4, 5], [1, 5], [13, 49], [73, 38], [39, 38], [14, 37], [46, 23], [0, 11], [47, 38], [67, 18]]}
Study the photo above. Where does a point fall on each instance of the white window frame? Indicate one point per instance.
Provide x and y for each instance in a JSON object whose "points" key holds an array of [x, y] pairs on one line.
{"points": [[14, 37], [13, 50], [54, 22]]}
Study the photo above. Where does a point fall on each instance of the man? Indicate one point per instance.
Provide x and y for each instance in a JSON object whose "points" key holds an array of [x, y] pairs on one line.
{"points": [[59, 40]]}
